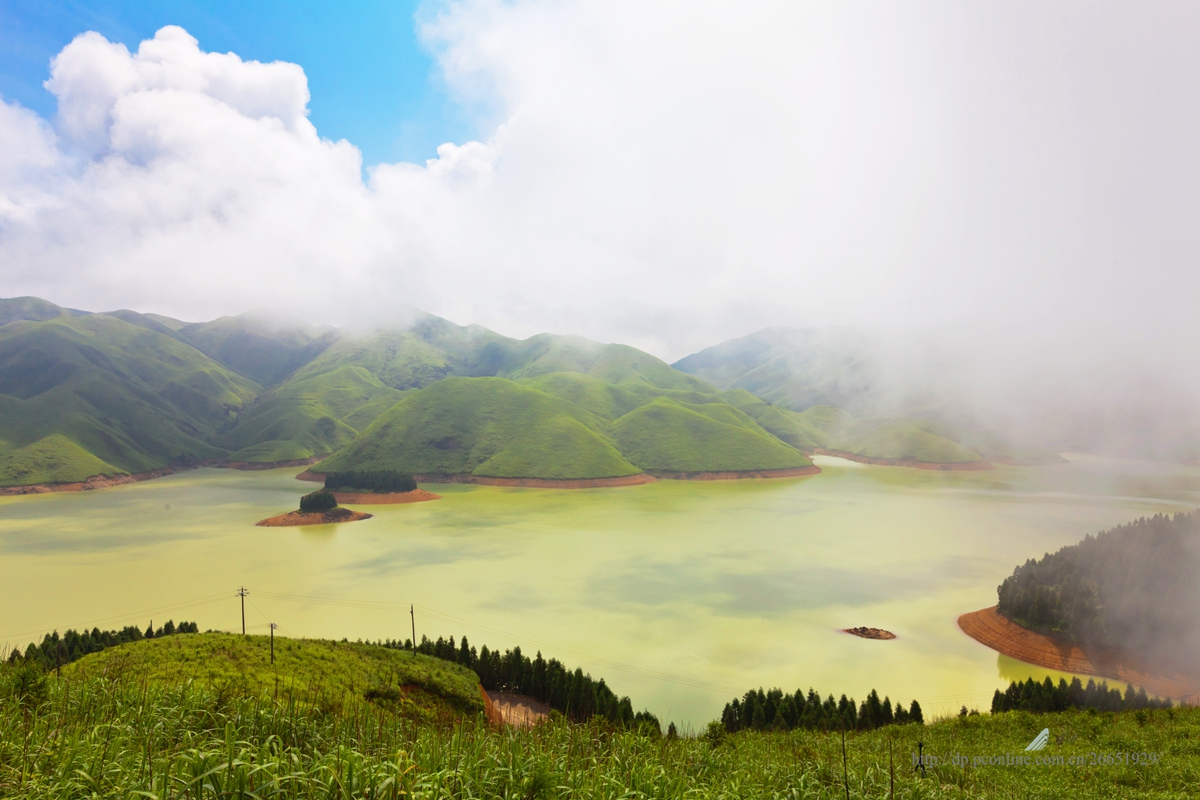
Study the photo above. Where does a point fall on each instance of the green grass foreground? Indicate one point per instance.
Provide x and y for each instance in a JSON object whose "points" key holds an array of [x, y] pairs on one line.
{"points": [[203, 716], [94, 737]]}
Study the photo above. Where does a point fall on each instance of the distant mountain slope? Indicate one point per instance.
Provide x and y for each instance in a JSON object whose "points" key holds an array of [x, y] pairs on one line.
{"points": [[494, 427], [836, 382], [793, 368], [488, 427], [33, 309], [670, 436], [263, 350], [309, 416], [129, 398]]}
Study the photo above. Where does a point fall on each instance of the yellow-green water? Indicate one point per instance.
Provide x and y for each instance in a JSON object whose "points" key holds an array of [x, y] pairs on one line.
{"points": [[680, 594]]}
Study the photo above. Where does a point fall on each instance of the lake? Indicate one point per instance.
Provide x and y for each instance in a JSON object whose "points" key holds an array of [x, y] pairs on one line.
{"points": [[680, 594]]}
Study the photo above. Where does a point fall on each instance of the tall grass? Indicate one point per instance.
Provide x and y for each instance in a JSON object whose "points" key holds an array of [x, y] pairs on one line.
{"points": [[85, 736]]}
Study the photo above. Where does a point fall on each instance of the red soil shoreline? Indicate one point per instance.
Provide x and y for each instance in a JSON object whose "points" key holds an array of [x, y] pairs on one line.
{"points": [[531, 483], [383, 498], [590, 483], [905, 462], [121, 479], [254, 466], [990, 628], [330, 517], [789, 472], [94, 482]]}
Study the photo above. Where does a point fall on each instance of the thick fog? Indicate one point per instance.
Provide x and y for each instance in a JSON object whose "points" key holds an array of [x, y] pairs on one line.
{"points": [[1003, 194]]}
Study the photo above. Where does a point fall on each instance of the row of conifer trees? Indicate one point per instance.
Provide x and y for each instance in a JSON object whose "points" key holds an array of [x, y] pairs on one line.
{"points": [[56, 650], [1044, 696], [572, 693], [775, 710], [380, 480]]}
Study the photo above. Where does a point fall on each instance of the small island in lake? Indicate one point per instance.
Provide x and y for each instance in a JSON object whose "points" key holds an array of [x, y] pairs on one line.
{"points": [[371, 487], [869, 633], [317, 508]]}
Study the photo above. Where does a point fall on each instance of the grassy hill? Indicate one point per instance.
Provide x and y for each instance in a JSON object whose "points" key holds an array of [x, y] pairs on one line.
{"points": [[85, 736], [309, 416], [495, 427], [320, 674], [488, 427], [93, 392], [666, 434]]}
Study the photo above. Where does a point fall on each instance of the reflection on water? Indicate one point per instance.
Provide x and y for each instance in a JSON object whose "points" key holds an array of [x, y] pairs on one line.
{"points": [[680, 594]]}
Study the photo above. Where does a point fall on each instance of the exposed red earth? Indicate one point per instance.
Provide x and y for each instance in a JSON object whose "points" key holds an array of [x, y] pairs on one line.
{"points": [[121, 478], [516, 710], [94, 482], [790, 472], [987, 626], [592, 483], [383, 498], [869, 633], [329, 517]]}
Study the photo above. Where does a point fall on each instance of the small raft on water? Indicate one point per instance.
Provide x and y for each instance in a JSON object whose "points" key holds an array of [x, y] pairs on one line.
{"points": [[870, 633]]}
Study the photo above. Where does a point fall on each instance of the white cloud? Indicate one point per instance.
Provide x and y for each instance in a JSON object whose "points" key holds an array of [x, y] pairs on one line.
{"points": [[666, 174]]}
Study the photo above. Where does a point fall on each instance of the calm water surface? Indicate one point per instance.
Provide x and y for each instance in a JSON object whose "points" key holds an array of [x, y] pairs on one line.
{"points": [[680, 594]]}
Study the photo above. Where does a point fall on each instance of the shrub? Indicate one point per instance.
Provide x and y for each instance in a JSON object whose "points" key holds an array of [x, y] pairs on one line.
{"points": [[319, 500]]}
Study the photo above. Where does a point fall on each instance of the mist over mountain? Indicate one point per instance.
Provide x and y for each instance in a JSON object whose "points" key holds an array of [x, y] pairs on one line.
{"points": [[125, 392], [1115, 409]]}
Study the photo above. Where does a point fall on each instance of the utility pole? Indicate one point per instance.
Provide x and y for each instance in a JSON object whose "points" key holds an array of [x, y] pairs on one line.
{"points": [[413, 614], [242, 592], [273, 627]]}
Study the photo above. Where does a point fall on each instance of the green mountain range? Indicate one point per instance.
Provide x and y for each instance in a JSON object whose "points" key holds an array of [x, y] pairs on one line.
{"points": [[85, 394]]}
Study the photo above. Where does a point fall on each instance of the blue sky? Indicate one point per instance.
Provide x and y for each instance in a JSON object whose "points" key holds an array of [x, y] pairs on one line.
{"points": [[371, 81]]}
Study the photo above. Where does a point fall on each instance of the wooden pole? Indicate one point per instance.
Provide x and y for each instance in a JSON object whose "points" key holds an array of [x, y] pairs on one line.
{"points": [[273, 627], [242, 594], [413, 614]]}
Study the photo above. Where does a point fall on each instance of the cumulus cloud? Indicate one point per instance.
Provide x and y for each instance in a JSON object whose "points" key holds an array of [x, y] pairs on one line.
{"points": [[665, 174]]}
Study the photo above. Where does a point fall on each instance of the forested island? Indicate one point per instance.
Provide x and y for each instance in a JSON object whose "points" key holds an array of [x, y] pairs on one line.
{"points": [[1120, 604], [316, 508], [1133, 587]]}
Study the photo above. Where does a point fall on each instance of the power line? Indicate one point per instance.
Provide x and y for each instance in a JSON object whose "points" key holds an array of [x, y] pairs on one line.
{"points": [[379, 605], [186, 604]]}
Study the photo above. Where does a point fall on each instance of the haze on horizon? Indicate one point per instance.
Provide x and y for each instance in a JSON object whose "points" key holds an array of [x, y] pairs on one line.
{"points": [[1005, 192]]}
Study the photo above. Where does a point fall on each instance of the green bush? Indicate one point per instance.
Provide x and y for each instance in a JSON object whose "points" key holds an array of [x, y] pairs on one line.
{"points": [[319, 500]]}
